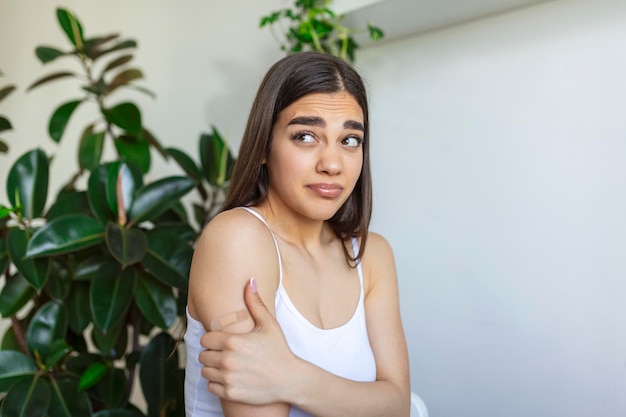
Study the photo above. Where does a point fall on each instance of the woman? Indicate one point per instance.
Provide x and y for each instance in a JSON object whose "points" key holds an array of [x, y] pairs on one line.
{"points": [[317, 330]]}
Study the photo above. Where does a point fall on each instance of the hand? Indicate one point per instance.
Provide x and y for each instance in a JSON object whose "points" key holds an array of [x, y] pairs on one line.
{"points": [[253, 367]]}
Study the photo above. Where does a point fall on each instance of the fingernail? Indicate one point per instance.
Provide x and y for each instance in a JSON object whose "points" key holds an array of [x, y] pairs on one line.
{"points": [[253, 285]]}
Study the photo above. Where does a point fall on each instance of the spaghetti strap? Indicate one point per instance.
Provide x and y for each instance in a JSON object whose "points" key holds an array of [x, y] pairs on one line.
{"points": [[355, 250], [280, 261]]}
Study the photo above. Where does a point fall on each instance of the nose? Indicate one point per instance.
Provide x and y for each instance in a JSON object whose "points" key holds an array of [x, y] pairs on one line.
{"points": [[329, 162]]}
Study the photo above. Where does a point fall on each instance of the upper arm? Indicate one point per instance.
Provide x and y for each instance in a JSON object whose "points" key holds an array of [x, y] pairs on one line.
{"points": [[234, 247], [382, 311]]}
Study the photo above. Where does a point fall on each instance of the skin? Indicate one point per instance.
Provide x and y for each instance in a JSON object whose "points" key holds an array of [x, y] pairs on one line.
{"points": [[313, 165]]}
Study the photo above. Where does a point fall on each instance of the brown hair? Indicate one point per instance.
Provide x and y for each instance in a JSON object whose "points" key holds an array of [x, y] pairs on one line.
{"points": [[288, 80]]}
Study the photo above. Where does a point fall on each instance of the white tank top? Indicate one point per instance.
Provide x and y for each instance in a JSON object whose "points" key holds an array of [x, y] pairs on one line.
{"points": [[344, 351]]}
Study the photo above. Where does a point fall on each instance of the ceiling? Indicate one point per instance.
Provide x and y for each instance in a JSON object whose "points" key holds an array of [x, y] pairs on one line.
{"points": [[400, 18]]}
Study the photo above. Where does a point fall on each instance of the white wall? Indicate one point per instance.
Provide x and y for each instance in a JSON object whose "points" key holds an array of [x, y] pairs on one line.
{"points": [[498, 155], [500, 169]]}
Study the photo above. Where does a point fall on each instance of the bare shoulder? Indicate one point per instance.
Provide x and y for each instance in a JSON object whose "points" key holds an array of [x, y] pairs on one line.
{"points": [[378, 261], [233, 247]]}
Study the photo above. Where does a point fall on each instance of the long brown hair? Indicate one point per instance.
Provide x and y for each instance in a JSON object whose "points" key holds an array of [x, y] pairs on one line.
{"points": [[288, 80]]}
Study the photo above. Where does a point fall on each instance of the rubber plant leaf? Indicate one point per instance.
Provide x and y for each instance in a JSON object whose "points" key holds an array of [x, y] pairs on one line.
{"points": [[14, 295], [215, 158], [65, 234], [28, 397], [123, 78], [117, 62], [158, 373], [126, 116], [96, 191], [110, 296], [27, 183], [71, 26], [48, 324], [67, 400], [136, 150], [51, 77], [92, 375], [14, 366], [35, 271], [121, 183], [60, 118], [185, 162], [90, 149], [168, 258], [154, 198], [156, 301], [47, 54], [127, 245], [72, 202], [5, 91]]}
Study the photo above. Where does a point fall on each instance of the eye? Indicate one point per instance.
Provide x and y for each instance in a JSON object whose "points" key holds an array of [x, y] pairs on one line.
{"points": [[352, 141], [303, 137]]}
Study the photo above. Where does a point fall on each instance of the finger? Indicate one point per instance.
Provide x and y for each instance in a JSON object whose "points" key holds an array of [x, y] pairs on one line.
{"points": [[259, 312], [210, 358], [213, 340]]}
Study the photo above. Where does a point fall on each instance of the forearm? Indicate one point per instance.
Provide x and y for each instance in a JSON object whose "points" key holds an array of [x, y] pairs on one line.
{"points": [[323, 394]]}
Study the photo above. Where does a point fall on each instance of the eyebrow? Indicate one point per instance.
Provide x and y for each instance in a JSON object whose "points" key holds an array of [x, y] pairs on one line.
{"points": [[318, 121]]}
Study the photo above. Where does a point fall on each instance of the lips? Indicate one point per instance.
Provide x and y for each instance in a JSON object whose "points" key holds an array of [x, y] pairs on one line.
{"points": [[325, 190]]}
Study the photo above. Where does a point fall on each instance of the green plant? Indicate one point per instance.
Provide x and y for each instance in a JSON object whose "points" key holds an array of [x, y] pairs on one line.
{"points": [[93, 282], [312, 25]]}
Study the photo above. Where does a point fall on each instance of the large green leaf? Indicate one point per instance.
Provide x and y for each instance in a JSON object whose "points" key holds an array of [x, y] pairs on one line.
{"points": [[72, 202], [60, 118], [154, 198], [47, 54], [159, 375], [127, 245], [85, 268], [136, 150], [71, 26], [168, 258], [156, 301], [126, 116], [185, 162], [94, 46], [14, 295], [13, 367], [67, 400], [28, 397], [90, 150], [66, 234], [110, 296], [48, 325], [79, 313], [96, 191], [58, 350], [35, 271], [27, 183]]}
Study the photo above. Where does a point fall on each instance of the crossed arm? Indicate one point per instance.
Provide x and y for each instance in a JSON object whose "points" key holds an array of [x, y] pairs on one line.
{"points": [[249, 363]]}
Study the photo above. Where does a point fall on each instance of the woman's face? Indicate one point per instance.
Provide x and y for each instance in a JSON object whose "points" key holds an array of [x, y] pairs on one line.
{"points": [[316, 155]]}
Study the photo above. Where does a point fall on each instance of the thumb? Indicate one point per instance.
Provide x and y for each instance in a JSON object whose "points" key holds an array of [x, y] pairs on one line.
{"points": [[259, 312]]}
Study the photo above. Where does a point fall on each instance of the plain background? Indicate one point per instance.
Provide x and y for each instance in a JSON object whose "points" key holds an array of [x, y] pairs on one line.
{"points": [[498, 153]]}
